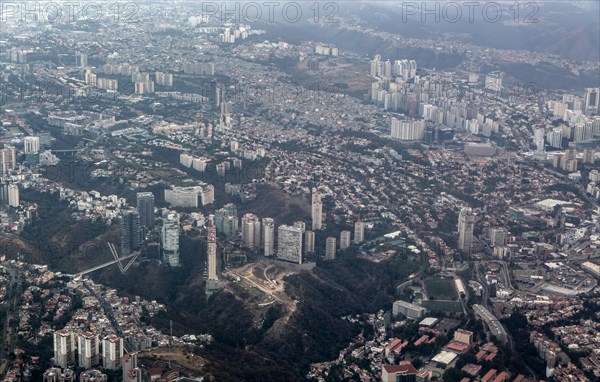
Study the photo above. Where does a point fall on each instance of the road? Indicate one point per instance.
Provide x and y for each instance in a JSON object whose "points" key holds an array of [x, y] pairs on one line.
{"points": [[110, 314]]}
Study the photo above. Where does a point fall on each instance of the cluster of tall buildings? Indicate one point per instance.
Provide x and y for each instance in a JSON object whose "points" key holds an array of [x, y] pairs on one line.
{"points": [[200, 68], [407, 130], [87, 350], [405, 69], [9, 193]]}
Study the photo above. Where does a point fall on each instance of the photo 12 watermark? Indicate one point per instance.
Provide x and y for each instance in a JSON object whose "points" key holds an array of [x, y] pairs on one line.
{"points": [[469, 12], [68, 11], [250, 12]]}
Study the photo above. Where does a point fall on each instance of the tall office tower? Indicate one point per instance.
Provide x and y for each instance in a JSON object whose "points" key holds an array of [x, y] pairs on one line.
{"points": [[588, 156], [309, 242], [64, 348], [592, 100], [344, 239], [8, 157], [226, 220], [498, 236], [233, 145], [145, 208], [130, 233], [170, 239], [359, 232], [211, 250], [31, 145], [330, 248], [251, 230], [88, 350], [317, 210], [129, 362], [81, 60], [555, 138], [466, 223], [13, 195], [268, 228], [112, 352], [289, 243]]}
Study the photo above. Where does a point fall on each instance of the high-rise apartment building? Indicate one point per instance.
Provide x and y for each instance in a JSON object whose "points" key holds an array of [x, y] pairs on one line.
{"points": [[289, 243], [268, 229], [359, 232], [170, 239], [8, 158], [88, 345], [64, 348], [226, 220], [211, 250], [466, 224], [31, 145], [13, 195], [309, 242], [131, 371], [145, 208], [251, 230], [112, 352], [330, 248], [406, 130], [344, 240], [592, 100], [130, 233], [316, 210]]}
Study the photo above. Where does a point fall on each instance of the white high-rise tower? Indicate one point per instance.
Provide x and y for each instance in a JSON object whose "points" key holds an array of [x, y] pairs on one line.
{"points": [[317, 210], [466, 223]]}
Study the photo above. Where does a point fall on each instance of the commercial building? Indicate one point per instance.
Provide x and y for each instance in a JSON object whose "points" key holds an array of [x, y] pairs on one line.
{"points": [[466, 223], [170, 239], [145, 208], [190, 196], [130, 233], [409, 310], [403, 372], [494, 326]]}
